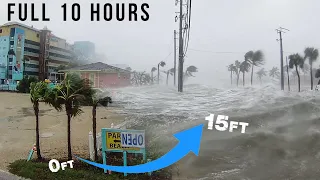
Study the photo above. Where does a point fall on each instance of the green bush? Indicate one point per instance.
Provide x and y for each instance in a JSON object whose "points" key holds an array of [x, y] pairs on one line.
{"points": [[24, 84]]}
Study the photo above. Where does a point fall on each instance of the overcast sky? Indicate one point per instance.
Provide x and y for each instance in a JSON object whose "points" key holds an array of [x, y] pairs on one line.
{"points": [[216, 26]]}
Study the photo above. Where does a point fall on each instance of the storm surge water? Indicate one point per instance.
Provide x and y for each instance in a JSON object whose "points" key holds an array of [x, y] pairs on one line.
{"points": [[281, 142]]}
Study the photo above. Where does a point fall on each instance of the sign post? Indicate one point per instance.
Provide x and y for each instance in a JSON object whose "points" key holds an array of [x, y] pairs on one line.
{"points": [[123, 141]]}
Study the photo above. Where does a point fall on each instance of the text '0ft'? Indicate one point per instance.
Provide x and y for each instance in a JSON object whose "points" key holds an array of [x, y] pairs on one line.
{"points": [[222, 123]]}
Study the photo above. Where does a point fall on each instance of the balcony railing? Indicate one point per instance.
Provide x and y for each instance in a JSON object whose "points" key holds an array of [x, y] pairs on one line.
{"points": [[31, 54]]}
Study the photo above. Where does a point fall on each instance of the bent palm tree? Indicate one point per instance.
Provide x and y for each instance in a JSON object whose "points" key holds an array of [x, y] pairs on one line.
{"points": [[261, 73], [274, 72], [96, 100], [152, 70], [189, 72], [169, 72], [255, 59], [72, 92], [295, 61], [312, 54], [237, 70], [162, 64], [37, 94], [231, 68], [244, 67]]}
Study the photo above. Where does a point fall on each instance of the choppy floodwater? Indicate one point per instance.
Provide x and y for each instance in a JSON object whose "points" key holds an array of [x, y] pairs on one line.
{"points": [[282, 141]]}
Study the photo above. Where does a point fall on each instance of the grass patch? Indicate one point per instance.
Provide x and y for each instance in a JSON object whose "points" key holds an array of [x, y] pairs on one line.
{"points": [[36, 170]]}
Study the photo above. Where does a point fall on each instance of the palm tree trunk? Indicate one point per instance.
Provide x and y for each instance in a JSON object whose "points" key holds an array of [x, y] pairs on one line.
{"points": [[167, 78], [36, 111], [238, 75], [151, 77], [243, 78], [231, 77], [251, 75], [69, 111], [311, 76], [94, 129], [298, 78]]}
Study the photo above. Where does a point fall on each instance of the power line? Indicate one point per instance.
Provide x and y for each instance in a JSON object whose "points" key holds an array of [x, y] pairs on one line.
{"points": [[216, 51]]}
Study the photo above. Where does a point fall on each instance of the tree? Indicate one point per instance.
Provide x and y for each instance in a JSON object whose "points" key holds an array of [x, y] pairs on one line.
{"points": [[237, 70], [97, 99], [295, 61], [189, 72], [152, 70], [231, 68], [274, 72], [162, 64], [317, 74], [37, 94], [244, 67], [24, 84], [71, 93], [169, 72], [261, 73], [255, 59], [312, 54]]}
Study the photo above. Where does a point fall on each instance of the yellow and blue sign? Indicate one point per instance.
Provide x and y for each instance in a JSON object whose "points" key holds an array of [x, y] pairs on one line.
{"points": [[124, 141]]}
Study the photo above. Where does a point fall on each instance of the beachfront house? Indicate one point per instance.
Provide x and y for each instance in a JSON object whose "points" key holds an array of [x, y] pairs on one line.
{"points": [[102, 75]]}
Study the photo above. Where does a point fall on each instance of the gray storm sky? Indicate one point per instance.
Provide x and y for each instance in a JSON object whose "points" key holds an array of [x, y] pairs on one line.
{"points": [[216, 25]]}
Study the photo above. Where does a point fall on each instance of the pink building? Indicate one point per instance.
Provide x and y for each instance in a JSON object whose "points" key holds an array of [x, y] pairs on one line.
{"points": [[102, 75]]}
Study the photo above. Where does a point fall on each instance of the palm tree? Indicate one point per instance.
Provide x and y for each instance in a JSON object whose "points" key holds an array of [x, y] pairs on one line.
{"points": [[72, 92], [152, 70], [317, 74], [189, 72], [231, 68], [237, 70], [96, 100], [37, 94], [169, 72], [286, 69], [261, 73], [312, 54], [162, 64], [244, 67], [274, 72], [255, 59], [295, 60]]}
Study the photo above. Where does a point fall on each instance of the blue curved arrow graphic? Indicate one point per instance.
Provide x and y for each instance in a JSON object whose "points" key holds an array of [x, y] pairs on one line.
{"points": [[189, 140]]}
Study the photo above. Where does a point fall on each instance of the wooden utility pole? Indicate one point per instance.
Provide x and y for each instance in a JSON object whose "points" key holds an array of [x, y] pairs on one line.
{"points": [[280, 31], [175, 57], [180, 73]]}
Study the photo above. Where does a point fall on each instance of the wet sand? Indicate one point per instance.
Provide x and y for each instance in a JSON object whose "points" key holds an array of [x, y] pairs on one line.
{"points": [[17, 129]]}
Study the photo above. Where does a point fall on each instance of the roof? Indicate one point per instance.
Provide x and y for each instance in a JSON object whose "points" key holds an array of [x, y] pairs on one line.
{"points": [[20, 24], [98, 66]]}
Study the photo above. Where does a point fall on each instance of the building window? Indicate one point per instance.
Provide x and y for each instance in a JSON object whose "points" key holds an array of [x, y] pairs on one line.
{"points": [[0, 30], [11, 42], [38, 35], [4, 40]]}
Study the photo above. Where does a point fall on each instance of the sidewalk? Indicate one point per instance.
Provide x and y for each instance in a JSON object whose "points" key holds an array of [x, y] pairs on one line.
{"points": [[7, 176]]}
